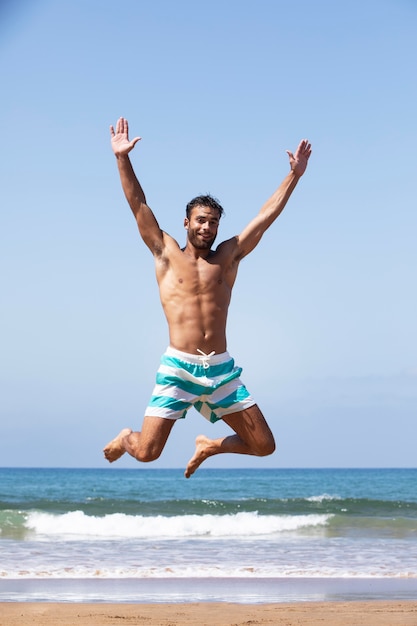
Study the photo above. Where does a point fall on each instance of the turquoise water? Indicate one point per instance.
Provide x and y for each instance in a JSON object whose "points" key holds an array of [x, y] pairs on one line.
{"points": [[115, 524]]}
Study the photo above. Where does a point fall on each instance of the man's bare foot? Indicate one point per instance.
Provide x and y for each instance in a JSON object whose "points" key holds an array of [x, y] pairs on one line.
{"points": [[203, 450], [115, 449]]}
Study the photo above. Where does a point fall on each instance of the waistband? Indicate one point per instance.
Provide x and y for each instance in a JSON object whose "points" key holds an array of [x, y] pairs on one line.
{"points": [[199, 359]]}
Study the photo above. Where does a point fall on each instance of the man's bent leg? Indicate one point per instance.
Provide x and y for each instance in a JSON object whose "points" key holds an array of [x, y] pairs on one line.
{"points": [[253, 436], [144, 446]]}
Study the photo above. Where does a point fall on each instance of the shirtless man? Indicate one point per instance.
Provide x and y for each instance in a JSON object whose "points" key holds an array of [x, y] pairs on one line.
{"points": [[195, 285]]}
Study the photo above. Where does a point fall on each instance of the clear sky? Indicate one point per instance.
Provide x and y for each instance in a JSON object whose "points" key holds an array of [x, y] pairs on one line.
{"points": [[323, 317]]}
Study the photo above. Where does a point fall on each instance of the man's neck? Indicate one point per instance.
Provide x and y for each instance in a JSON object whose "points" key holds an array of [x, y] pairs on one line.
{"points": [[197, 253]]}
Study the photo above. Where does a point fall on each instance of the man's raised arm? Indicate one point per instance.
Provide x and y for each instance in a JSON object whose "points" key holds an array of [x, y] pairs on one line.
{"points": [[146, 221], [272, 208]]}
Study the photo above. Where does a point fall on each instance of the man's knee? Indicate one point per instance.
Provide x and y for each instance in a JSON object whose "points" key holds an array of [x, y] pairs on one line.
{"points": [[147, 445], [266, 447], [264, 439], [146, 456], [143, 452]]}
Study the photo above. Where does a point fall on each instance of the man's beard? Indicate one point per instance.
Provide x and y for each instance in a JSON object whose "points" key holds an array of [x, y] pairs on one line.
{"points": [[197, 242]]}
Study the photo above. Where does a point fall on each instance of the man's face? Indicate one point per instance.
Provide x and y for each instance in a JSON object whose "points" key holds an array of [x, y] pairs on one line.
{"points": [[202, 227]]}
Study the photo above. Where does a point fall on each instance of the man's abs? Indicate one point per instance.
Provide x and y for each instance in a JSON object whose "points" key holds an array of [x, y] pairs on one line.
{"points": [[195, 325]]}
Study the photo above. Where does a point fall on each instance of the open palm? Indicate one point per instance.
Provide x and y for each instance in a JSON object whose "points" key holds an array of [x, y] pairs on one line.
{"points": [[120, 142]]}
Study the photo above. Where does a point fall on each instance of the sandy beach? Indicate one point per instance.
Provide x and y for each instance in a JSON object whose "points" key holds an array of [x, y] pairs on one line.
{"points": [[373, 613]]}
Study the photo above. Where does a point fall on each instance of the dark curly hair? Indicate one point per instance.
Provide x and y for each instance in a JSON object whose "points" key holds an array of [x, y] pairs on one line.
{"points": [[207, 201]]}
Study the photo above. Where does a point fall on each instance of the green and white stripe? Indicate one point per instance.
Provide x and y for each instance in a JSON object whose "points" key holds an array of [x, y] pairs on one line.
{"points": [[209, 383]]}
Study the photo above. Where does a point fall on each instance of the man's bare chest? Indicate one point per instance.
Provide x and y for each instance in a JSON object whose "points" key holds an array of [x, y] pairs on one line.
{"points": [[195, 276], [201, 277]]}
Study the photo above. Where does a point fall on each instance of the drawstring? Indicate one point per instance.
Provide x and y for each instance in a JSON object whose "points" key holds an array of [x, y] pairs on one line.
{"points": [[205, 358]]}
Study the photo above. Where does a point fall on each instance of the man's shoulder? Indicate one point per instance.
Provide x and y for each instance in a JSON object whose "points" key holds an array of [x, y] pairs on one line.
{"points": [[168, 245], [164, 250], [227, 246], [227, 252]]}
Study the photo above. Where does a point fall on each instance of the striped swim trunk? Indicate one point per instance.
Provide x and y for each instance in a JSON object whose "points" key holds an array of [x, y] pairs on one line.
{"points": [[209, 383]]}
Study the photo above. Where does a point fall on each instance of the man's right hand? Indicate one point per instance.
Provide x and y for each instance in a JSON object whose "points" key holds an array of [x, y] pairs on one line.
{"points": [[120, 139]]}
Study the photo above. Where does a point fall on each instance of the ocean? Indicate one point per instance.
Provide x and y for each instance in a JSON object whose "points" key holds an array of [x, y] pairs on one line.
{"points": [[248, 535]]}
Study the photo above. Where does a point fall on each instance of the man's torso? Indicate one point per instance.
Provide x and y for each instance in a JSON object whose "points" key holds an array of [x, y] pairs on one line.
{"points": [[195, 294]]}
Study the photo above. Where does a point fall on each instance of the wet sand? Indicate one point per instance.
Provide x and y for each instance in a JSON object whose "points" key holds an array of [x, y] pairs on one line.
{"points": [[370, 613]]}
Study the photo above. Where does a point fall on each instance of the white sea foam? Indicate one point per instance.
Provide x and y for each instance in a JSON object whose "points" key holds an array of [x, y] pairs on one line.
{"points": [[200, 571], [322, 498], [244, 545], [118, 525]]}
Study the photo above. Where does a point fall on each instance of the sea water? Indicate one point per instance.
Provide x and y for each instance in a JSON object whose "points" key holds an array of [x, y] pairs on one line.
{"points": [[63, 525]]}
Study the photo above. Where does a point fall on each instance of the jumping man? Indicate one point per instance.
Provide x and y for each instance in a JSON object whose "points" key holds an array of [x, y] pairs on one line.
{"points": [[195, 285]]}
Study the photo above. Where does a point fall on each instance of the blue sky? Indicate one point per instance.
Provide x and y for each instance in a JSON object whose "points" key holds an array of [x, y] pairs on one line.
{"points": [[323, 317]]}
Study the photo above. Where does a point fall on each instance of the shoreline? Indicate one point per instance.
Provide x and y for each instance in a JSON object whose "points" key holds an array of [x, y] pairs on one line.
{"points": [[371, 613], [248, 591]]}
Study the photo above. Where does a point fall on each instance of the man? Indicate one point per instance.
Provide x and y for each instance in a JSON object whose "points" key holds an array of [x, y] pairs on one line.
{"points": [[195, 285]]}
